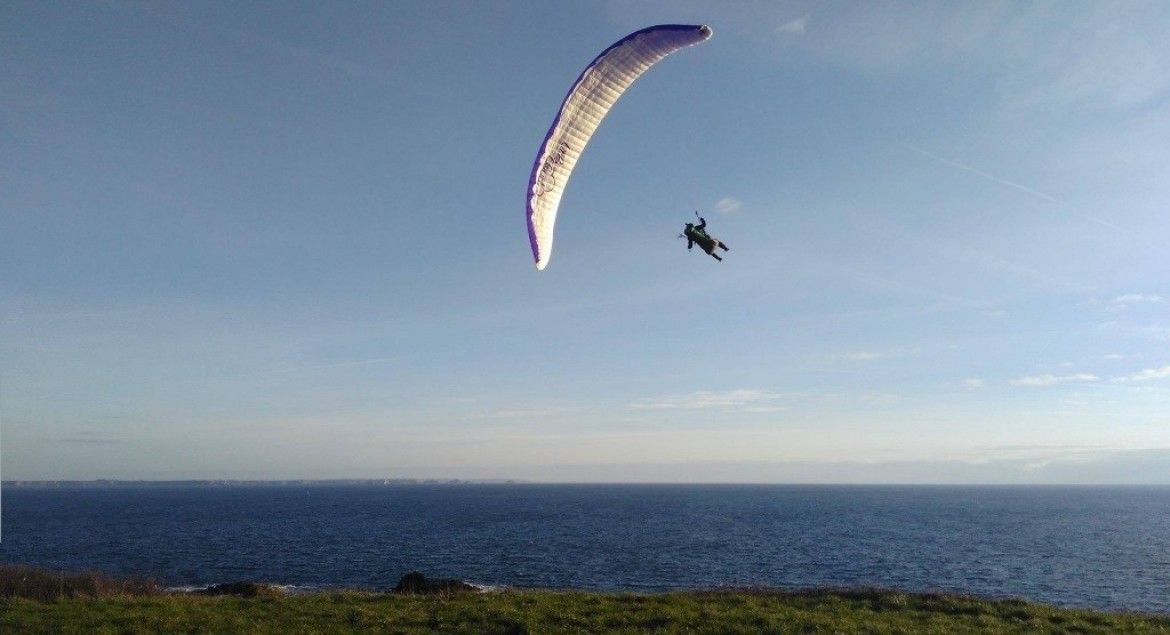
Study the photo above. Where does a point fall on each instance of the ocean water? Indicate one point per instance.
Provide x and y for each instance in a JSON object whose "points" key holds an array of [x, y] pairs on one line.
{"points": [[1098, 547]]}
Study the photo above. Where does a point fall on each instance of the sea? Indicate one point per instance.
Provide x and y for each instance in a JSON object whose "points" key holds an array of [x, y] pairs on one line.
{"points": [[1094, 547]]}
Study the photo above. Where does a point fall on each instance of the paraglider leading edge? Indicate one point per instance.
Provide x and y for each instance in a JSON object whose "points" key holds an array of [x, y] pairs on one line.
{"points": [[586, 104]]}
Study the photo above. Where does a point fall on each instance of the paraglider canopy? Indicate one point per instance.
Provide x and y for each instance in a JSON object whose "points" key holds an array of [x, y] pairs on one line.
{"points": [[596, 90]]}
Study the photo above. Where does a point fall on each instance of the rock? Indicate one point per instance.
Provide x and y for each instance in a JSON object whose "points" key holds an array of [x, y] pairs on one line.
{"points": [[240, 589], [415, 583]]}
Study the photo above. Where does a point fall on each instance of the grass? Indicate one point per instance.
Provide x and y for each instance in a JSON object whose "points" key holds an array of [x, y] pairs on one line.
{"points": [[522, 612]]}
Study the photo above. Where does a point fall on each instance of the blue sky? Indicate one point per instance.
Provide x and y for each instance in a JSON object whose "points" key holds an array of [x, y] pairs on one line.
{"points": [[287, 240]]}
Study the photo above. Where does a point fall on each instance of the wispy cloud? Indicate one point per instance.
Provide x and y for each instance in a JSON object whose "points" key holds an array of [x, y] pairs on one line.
{"points": [[974, 384], [1119, 62], [1050, 380], [255, 39], [1122, 302], [957, 249], [742, 400], [794, 27], [1146, 375], [1159, 333], [357, 362], [536, 413], [871, 355], [1031, 454], [307, 368], [878, 398], [727, 205], [1116, 60], [85, 438]]}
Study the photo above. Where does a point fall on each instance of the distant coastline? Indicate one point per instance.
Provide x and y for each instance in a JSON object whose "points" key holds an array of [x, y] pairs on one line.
{"points": [[388, 482], [253, 483]]}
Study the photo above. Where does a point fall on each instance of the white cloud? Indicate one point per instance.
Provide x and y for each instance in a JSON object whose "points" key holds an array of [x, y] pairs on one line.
{"points": [[864, 356], [1146, 375], [794, 27], [974, 384], [742, 400], [1049, 380], [728, 205]]}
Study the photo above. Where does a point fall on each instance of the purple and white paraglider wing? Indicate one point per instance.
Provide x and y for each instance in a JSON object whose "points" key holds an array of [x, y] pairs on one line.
{"points": [[588, 101]]}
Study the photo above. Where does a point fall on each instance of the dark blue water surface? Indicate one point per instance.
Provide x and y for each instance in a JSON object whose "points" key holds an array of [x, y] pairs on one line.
{"points": [[1100, 547]]}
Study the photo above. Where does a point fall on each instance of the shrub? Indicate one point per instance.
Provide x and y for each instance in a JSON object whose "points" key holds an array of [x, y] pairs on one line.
{"points": [[45, 585]]}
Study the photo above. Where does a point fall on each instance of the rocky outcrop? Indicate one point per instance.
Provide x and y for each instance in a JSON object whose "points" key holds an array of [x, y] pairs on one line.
{"points": [[415, 583], [241, 589]]}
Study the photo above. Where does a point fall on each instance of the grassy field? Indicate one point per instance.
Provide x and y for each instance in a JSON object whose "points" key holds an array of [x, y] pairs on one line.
{"points": [[530, 611]]}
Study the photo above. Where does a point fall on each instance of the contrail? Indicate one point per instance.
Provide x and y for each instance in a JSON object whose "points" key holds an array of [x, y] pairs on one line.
{"points": [[1003, 181], [984, 174]]}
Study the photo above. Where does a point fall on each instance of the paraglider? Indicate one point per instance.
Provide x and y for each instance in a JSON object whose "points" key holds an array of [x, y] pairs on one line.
{"points": [[698, 234], [588, 101]]}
